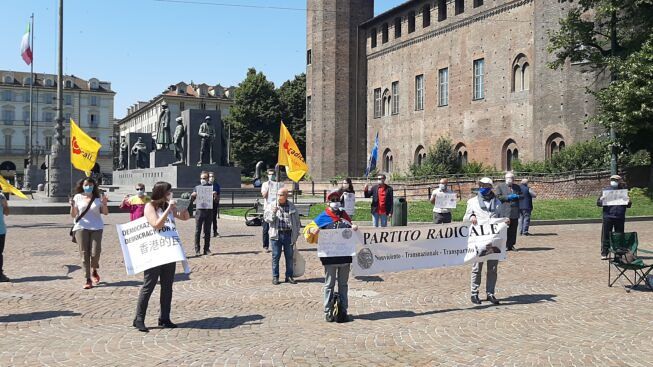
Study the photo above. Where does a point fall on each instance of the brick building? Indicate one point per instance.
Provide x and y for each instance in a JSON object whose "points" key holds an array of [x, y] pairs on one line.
{"points": [[474, 71]]}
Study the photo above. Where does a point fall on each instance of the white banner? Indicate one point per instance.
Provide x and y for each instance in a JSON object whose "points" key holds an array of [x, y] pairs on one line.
{"points": [[615, 197], [273, 187], [383, 250], [204, 199], [143, 247], [445, 200], [338, 242], [350, 202]]}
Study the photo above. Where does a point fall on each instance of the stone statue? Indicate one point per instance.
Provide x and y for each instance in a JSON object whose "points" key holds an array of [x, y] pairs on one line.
{"points": [[178, 141], [163, 139], [140, 151], [122, 157], [207, 135]]}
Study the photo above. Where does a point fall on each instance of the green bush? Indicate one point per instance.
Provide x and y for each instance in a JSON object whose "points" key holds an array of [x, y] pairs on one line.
{"points": [[440, 160]]}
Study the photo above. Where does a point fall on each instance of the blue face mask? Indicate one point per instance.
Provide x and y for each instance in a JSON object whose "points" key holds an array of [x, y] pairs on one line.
{"points": [[484, 190], [88, 189]]}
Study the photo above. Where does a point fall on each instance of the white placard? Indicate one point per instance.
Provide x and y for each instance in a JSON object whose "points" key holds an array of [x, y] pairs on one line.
{"points": [[204, 199], [444, 200], [384, 250], [337, 242], [350, 202], [273, 188], [615, 197], [143, 247], [182, 204]]}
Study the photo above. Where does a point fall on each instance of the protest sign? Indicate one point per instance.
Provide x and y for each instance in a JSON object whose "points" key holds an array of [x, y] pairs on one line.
{"points": [[204, 199], [615, 197], [423, 247], [143, 247], [337, 242], [445, 200], [273, 187], [350, 202], [182, 204]]}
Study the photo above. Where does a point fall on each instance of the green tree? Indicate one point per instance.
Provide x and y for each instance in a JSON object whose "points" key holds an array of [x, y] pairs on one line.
{"points": [[440, 159], [254, 119], [292, 95], [613, 36]]}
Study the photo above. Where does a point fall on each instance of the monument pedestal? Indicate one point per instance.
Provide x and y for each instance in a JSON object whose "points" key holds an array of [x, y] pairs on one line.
{"points": [[161, 158], [177, 176]]}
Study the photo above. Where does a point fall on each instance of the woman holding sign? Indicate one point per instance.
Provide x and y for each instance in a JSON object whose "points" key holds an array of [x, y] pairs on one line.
{"points": [[479, 210], [161, 209], [87, 207]]}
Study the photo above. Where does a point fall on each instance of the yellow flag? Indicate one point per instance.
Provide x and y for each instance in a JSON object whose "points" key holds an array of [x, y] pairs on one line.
{"points": [[83, 149], [7, 187], [290, 156]]}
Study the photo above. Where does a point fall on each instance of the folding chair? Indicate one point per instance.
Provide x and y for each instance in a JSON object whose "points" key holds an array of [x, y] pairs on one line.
{"points": [[623, 257]]}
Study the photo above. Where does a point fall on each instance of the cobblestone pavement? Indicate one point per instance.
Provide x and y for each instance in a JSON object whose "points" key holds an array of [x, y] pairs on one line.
{"points": [[557, 309]]}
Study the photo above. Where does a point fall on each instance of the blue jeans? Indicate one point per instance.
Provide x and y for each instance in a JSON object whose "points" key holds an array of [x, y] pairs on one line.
{"points": [[339, 272], [283, 242], [524, 220], [379, 220]]}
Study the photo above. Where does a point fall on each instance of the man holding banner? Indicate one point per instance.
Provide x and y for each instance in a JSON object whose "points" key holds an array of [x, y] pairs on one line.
{"points": [[336, 262], [614, 200], [443, 200], [480, 210]]}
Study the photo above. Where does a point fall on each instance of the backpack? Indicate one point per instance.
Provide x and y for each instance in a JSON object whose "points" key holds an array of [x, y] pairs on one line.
{"points": [[337, 312], [254, 222]]}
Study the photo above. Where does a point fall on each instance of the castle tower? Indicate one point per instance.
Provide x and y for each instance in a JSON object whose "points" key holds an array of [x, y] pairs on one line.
{"points": [[335, 87]]}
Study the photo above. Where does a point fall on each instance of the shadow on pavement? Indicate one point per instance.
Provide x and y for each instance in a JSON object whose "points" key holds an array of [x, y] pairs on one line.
{"points": [[312, 249], [526, 249], [235, 235], [372, 278], [239, 253], [35, 316], [542, 234], [40, 278], [310, 280], [41, 225], [508, 301], [71, 268], [222, 322], [123, 283]]}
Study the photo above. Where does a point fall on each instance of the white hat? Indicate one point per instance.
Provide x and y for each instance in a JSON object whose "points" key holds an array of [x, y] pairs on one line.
{"points": [[487, 180], [615, 177]]}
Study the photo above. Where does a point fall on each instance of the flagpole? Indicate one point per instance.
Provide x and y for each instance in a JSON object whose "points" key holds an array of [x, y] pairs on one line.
{"points": [[31, 92]]}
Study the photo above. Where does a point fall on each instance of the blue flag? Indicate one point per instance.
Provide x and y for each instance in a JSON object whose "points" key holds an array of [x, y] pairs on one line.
{"points": [[371, 164]]}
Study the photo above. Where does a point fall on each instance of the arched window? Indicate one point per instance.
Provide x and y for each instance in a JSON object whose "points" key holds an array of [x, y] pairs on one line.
{"points": [[554, 144], [510, 154], [8, 79], [526, 79], [388, 161], [27, 81], [48, 82], [420, 155], [520, 74], [69, 84], [461, 154], [387, 102]]}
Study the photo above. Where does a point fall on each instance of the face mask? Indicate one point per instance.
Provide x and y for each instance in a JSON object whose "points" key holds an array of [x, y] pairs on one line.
{"points": [[169, 196], [203, 181], [484, 190], [334, 205], [614, 184], [509, 181], [211, 180], [88, 189], [442, 186], [140, 192], [273, 178]]}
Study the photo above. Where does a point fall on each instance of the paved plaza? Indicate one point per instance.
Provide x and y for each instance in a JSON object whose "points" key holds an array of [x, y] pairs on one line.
{"points": [[557, 309]]}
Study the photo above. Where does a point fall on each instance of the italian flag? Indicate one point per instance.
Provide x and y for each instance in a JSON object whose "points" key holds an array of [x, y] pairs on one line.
{"points": [[26, 48]]}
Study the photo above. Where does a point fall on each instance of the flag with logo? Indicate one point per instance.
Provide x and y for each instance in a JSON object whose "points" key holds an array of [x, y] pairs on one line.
{"points": [[290, 156], [25, 47], [9, 188], [371, 164], [83, 149]]}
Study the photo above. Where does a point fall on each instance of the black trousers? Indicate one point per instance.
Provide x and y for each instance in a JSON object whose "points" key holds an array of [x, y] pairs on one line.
{"points": [[216, 210], [610, 225], [512, 233], [2, 249], [166, 273], [203, 220], [266, 235]]}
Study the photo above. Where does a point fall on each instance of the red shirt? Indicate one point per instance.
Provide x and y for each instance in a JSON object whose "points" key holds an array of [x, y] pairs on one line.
{"points": [[382, 195]]}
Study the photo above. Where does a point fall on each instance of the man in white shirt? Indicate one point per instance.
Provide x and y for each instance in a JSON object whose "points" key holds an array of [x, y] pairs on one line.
{"points": [[268, 197], [441, 215]]}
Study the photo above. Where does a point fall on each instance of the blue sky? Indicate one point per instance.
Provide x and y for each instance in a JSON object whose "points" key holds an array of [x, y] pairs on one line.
{"points": [[142, 46]]}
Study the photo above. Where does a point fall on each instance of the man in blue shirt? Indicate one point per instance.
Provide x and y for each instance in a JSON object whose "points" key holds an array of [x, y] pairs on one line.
{"points": [[525, 207], [216, 203]]}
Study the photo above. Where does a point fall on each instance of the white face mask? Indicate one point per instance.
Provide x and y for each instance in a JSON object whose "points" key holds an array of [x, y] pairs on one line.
{"points": [[140, 192], [211, 180], [169, 196], [334, 205], [203, 182], [614, 184], [509, 180], [442, 186]]}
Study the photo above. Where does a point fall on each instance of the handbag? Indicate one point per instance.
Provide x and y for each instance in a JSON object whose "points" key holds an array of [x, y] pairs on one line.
{"points": [[298, 262], [71, 233]]}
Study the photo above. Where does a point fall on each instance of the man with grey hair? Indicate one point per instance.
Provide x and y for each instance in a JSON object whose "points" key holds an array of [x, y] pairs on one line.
{"points": [[284, 230], [509, 193]]}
